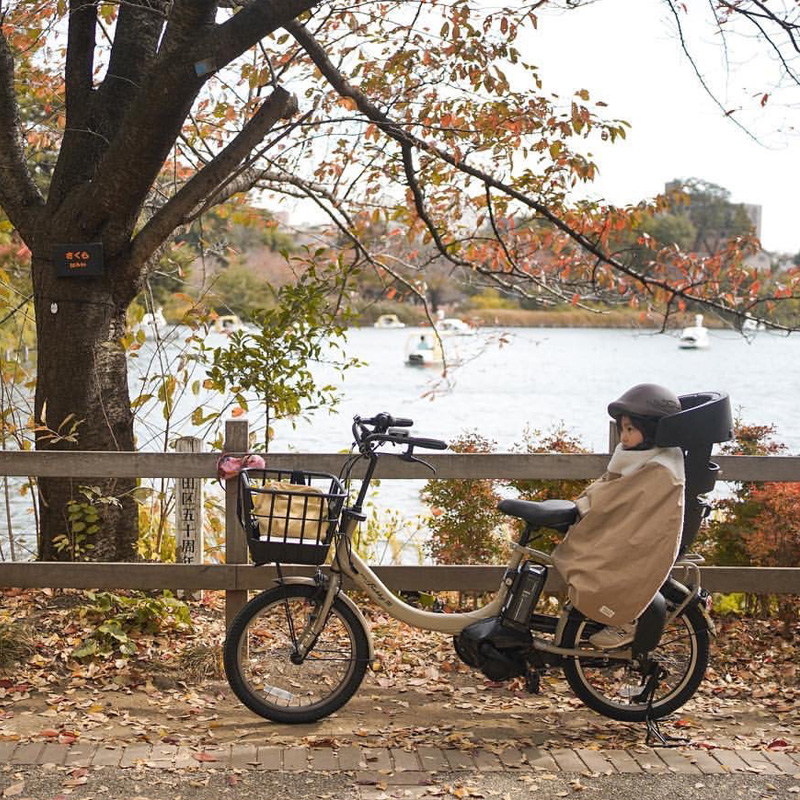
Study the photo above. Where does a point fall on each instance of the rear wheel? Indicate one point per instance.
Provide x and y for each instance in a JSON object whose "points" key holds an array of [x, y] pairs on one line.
{"points": [[614, 688], [261, 643]]}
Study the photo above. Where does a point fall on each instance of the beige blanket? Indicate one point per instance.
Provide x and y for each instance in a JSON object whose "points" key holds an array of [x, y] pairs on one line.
{"points": [[290, 511], [621, 550]]}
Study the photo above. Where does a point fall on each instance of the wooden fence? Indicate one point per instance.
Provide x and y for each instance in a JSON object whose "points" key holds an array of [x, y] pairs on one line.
{"points": [[236, 576]]}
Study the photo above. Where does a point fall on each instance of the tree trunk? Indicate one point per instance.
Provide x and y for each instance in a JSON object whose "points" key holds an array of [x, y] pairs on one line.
{"points": [[82, 400]]}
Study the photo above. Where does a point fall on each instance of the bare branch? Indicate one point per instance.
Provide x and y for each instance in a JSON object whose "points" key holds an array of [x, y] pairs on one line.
{"points": [[347, 227], [700, 78], [553, 291], [280, 104], [791, 29], [243, 179]]}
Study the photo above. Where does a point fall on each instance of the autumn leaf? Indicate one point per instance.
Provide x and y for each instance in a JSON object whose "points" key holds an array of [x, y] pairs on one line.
{"points": [[348, 103]]}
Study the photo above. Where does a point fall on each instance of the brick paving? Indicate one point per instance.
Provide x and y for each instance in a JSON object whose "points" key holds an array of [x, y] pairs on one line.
{"points": [[412, 766]]}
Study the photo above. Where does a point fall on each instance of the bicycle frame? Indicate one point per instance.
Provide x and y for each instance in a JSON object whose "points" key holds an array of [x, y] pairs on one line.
{"points": [[347, 564]]}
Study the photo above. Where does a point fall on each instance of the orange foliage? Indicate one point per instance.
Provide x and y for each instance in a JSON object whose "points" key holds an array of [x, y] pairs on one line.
{"points": [[775, 538]]}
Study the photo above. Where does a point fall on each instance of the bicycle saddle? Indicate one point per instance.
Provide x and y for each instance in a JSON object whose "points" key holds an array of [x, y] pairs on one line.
{"points": [[556, 514]]}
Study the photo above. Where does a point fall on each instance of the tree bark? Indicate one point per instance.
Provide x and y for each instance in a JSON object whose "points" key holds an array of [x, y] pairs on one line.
{"points": [[82, 371]]}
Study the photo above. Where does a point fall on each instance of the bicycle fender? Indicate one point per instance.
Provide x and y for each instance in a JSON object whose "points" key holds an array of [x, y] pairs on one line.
{"points": [[348, 602], [676, 592]]}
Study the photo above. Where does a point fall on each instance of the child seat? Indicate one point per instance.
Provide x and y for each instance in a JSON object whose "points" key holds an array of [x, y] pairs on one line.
{"points": [[704, 420]]}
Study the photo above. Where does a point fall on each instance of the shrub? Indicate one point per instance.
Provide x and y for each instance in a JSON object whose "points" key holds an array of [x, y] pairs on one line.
{"points": [[759, 524], [464, 522], [724, 540], [557, 440], [120, 620], [775, 538]]}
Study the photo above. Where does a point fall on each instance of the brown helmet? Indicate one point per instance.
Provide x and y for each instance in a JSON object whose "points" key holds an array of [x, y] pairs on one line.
{"points": [[645, 400]]}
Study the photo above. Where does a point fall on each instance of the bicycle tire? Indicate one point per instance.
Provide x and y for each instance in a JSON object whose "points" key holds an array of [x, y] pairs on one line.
{"points": [[262, 674], [600, 685]]}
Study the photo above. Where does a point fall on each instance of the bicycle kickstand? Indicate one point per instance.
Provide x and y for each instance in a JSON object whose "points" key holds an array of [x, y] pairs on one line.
{"points": [[654, 732]]}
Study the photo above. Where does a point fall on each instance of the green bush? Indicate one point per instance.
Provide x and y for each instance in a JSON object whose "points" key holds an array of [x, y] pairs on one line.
{"points": [[120, 620]]}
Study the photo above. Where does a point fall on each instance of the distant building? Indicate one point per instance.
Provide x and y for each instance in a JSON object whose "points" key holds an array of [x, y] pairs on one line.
{"points": [[754, 212]]}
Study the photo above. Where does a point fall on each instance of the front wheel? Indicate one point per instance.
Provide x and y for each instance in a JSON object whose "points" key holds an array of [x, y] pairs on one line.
{"points": [[261, 643], [614, 688]]}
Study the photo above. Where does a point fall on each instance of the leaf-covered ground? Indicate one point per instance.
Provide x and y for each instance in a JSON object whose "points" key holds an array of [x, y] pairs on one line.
{"points": [[171, 690]]}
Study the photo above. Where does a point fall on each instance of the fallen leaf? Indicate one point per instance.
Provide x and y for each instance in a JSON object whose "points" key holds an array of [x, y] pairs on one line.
{"points": [[777, 743]]}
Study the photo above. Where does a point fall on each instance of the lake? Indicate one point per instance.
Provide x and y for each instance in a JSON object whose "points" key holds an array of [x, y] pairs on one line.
{"points": [[505, 382], [542, 377]]}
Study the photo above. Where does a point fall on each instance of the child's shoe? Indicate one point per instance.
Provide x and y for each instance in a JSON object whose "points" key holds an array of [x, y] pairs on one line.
{"points": [[614, 637]]}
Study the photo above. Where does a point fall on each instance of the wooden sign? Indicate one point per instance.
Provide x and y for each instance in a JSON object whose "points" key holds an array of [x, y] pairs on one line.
{"points": [[78, 260], [189, 514]]}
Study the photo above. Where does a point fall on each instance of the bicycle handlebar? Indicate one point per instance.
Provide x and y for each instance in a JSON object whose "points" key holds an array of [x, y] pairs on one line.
{"points": [[383, 421], [381, 426]]}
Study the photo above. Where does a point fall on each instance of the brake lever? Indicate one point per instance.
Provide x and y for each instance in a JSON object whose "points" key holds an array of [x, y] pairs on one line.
{"points": [[410, 457]]}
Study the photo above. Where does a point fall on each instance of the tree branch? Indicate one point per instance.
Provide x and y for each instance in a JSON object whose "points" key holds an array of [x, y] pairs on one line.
{"points": [[75, 159], [187, 20], [243, 179], [18, 192], [247, 27], [136, 37], [79, 61], [279, 105], [396, 131], [111, 202]]}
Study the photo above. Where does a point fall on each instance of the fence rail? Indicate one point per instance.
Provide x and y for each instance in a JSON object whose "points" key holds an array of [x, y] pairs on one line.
{"points": [[244, 577], [236, 577], [474, 466]]}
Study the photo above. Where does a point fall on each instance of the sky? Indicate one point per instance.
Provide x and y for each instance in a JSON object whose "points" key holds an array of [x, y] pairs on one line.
{"points": [[626, 52]]}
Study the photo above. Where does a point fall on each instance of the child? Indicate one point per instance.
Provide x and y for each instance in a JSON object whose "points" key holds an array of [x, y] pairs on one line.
{"points": [[615, 558]]}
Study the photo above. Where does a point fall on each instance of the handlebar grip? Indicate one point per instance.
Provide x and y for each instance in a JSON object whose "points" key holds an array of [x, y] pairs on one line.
{"points": [[383, 421], [430, 444]]}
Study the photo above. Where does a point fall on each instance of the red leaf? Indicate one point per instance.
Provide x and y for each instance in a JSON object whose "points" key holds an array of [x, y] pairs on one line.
{"points": [[203, 757], [777, 743]]}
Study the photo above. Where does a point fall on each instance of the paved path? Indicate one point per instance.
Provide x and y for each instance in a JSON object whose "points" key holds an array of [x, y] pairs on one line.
{"points": [[399, 766], [42, 771]]}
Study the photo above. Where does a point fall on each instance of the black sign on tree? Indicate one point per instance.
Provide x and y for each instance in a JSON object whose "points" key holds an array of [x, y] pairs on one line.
{"points": [[78, 260]]}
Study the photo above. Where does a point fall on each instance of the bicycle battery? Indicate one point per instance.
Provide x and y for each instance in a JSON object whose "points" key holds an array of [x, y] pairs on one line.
{"points": [[526, 587]]}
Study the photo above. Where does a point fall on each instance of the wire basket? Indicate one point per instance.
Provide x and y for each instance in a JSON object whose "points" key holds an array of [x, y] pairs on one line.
{"points": [[289, 516]]}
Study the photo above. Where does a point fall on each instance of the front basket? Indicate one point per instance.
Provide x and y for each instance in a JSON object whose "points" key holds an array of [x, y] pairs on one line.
{"points": [[289, 516]]}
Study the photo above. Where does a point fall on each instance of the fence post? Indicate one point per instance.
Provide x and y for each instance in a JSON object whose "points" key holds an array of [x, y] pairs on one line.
{"points": [[236, 441], [613, 435], [189, 540]]}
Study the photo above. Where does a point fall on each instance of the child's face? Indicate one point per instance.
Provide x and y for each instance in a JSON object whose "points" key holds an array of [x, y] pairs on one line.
{"points": [[629, 436]]}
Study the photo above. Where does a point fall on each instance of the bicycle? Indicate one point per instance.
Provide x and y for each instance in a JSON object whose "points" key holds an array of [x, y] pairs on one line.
{"points": [[298, 652]]}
